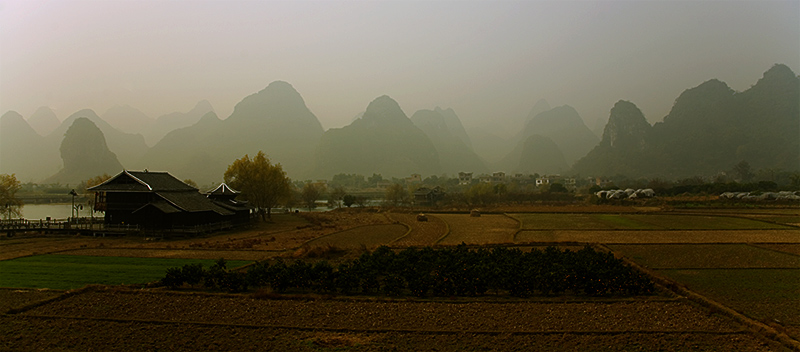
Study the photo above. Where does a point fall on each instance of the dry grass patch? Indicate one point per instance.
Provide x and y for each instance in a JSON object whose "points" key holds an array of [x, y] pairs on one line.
{"points": [[25, 245], [595, 221], [423, 233], [680, 236], [708, 256], [486, 229], [368, 236], [250, 255]]}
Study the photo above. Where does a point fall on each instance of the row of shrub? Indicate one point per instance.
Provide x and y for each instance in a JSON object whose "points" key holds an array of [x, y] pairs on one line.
{"points": [[425, 272]]}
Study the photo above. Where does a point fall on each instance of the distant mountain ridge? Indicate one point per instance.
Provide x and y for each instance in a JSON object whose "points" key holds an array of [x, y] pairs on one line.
{"points": [[709, 129], [21, 150], [274, 120], [384, 140], [44, 121], [452, 144], [561, 126]]}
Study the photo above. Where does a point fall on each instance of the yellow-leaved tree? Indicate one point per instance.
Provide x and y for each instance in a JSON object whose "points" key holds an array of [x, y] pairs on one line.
{"points": [[10, 205], [264, 185]]}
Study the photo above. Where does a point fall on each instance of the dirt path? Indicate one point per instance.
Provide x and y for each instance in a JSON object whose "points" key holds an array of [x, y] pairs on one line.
{"points": [[423, 233]]}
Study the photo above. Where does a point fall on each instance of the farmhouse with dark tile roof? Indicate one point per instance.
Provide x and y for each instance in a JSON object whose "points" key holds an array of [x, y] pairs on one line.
{"points": [[158, 200]]}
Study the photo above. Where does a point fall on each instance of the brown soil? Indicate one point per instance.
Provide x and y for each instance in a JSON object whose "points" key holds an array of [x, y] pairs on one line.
{"points": [[791, 248], [144, 320], [14, 298], [32, 244]]}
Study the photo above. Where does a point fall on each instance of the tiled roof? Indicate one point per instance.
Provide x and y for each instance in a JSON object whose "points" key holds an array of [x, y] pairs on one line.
{"points": [[192, 202], [142, 181], [223, 189], [161, 205], [232, 205]]}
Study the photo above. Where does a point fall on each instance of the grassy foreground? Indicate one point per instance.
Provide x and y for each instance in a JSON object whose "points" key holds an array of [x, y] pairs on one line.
{"points": [[71, 271]]}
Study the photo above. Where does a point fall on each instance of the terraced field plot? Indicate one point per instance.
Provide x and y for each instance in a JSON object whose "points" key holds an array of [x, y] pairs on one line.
{"points": [[14, 297], [791, 248], [761, 283], [213, 254], [423, 233], [660, 236], [370, 236], [487, 228], [639, 222], [71, 272], [707, 256], [763, 294]]}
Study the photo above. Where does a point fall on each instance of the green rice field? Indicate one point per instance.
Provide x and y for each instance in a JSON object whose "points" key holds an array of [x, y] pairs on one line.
{"points": [[544, 221], [71, 271]]}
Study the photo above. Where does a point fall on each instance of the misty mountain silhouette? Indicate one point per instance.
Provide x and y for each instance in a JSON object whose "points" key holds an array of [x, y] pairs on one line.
{"points": [[85, 154], [274, 120], [172, 121], [539, 154], [709, 129], [128, 147], [561, 125], [383, 141], [448, 136], [44, 121], [21, 150], [127, 119]]}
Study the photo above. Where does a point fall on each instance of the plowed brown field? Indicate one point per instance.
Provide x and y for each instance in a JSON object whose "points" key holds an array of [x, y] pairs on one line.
{"points": [[142, 321]]}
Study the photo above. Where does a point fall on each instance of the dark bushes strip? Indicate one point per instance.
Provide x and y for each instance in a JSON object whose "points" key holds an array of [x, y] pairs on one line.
{"points": [[425, 272]]}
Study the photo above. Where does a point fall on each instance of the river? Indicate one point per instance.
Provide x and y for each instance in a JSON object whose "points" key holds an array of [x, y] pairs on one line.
{"points": [[54, 211]]}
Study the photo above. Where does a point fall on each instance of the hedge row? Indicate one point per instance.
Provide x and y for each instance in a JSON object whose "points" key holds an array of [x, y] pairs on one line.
{"points": [[425, 272]]}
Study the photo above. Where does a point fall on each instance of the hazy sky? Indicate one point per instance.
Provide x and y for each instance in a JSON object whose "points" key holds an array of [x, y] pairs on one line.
{"points": [[485, 59]]}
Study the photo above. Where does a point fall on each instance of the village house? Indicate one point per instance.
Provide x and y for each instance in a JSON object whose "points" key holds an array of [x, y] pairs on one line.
{"points": [[568, 182], [158, 200], [428, 196], [498, 177], [414, 178], [464, 178]]}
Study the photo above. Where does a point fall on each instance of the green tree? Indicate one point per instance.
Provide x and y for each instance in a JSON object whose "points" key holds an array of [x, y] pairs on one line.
{"points": [[349, 200], [558, 188], [263, 184], [742, 172], [10, 205], [311, 193], [374, 179], [481, 194]]}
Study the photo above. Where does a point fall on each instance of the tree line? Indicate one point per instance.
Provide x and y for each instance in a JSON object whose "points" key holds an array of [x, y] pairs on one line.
{"points": [[447, 272]]}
